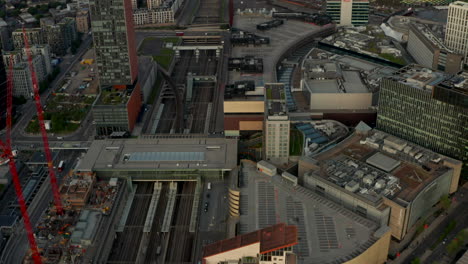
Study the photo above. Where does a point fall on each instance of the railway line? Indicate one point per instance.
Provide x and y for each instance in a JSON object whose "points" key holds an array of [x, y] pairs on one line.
{"points": [[156, 237], [125, 246], [181, 240]]}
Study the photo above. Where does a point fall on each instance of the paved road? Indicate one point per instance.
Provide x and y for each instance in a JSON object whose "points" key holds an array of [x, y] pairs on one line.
{"points": [[29, 109], [458, 214]]}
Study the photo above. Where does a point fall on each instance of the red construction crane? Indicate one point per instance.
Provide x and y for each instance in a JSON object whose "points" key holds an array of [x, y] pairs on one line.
{"points": [[7, 154], [40, 117]]}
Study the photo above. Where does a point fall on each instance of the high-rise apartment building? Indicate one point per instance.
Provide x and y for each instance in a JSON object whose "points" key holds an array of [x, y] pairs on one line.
{"points": [[426, 107], [114, 41], [456, 35], [277, 124], [348, 12], [117, 66], [35, 36], [82, 21]]}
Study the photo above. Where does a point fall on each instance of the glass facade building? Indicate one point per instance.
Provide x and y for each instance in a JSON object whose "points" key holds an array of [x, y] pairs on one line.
{"points": [[427, 108], [348, 12]]}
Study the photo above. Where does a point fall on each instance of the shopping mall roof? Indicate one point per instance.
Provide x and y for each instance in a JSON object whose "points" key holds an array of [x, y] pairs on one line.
{"points": [[161, 153], [380, 165], [270, 238]]}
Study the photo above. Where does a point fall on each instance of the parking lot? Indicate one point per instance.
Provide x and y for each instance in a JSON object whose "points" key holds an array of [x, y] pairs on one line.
{"points": [[280, 39]]}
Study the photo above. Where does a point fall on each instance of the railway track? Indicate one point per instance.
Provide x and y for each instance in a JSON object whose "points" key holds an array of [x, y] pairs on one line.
{"points": [[156, 237], [181, 240], [126, 245]]}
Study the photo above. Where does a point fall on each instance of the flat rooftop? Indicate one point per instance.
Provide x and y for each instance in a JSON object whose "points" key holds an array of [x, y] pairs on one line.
{"points": [[270, 238], [275, 99], [161, 154], [327, 232], [420, 77], [380, 165]]}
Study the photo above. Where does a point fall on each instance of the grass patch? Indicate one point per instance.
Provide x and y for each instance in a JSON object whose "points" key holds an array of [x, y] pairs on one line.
{"points": [[390, 57], [164, 58], [457, 243], [174, 40], [295, 142], [269, 93]]}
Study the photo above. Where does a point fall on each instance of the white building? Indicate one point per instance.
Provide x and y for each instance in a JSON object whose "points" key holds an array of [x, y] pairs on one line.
{"points": [[348, 12], [456, 36], [22, 81], [277, 124], [154, 16]]}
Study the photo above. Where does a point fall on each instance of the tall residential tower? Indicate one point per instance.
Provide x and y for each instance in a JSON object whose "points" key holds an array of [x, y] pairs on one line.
{"points": [[456, 35], [348, 12], [114, 41], [117, 65]]}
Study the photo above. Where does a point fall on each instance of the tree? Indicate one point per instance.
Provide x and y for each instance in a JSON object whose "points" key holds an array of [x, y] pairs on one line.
{"points": [[2, 13], [445, 202], [32, 10]]}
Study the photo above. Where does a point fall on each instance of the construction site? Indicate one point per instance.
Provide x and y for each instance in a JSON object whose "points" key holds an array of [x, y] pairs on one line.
{"points": [[86, 201]]}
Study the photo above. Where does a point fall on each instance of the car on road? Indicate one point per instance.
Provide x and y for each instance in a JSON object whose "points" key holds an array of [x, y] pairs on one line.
{"points": [[206, 204], [208, 195], [206, 209]]}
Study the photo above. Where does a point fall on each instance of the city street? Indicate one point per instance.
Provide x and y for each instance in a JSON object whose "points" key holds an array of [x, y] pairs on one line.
{"points": [[458, 214]]}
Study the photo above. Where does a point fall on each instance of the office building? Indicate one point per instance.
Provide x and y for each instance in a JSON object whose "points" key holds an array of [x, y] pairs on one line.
{"points": [[430, 51], [276, 124], [429, 108], [348, 12], [382, 178], [134, 4], [82, 21], [44, 51], [115, 56], [22, 81], [268, 245], [59, 36], [117, 110], [117, 66], [456, 35]]}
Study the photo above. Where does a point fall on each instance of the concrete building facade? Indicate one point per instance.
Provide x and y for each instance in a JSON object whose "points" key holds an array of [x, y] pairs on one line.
{"points": [[276, 124], [456, 35], [383, 178], [82, 21], [428, 108], [153, 16], [429, 51], [35, 36], [114, 42], [348, 12]]}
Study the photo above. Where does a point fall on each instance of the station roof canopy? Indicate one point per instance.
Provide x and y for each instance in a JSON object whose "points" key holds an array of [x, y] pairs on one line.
{"points": [[161, 153]]}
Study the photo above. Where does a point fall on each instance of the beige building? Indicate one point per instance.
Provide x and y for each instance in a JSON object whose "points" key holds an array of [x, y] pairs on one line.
{"points": [[265, 246], [82, 21], [382, 178], [276, 124], [430, 51], [326, 86], [244, 107], [456, 35], [152, 4]]}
